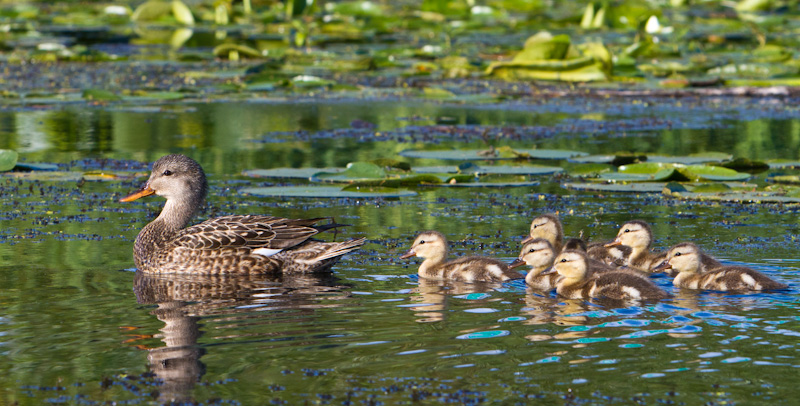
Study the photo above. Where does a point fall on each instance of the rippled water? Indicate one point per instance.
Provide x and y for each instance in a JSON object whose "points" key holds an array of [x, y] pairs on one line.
{"points": [[79, 326]]}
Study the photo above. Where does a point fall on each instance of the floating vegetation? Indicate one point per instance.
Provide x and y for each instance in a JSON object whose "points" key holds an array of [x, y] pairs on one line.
{"points": [[332, 192], [664, 172], [289, 173], [8, 159], [491, 154]]}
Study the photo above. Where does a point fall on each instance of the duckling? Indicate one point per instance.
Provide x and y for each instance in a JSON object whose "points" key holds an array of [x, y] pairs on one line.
{"points": [[539, 254], [637, 235], [432, 247], [697, 270], [547, 226], [581, 280]]}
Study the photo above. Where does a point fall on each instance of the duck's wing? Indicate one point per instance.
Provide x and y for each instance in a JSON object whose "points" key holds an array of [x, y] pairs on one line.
{"points": [[248, 232]]}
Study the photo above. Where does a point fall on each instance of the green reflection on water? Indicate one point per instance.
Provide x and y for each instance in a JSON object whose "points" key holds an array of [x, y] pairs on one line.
{"points": [[69, 315]]}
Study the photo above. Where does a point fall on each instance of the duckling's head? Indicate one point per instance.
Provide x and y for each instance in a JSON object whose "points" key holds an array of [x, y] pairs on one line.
{"points": [[175, 177], [537, 253], [684, 257], [546, 226], [635, 234], [572, 264], [430, 244]]}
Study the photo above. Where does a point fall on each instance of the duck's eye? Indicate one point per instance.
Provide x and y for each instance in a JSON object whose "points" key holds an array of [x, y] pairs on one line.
{"points": [[532, 250], [167, 173], [563, 260], [627, 230], [422, 242], [677, 254]]}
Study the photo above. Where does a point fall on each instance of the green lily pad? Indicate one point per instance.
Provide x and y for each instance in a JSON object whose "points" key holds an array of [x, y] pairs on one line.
{"points": [[590, 169], [636, 187], [487, 184], [739, 197], [156, 10], [645, 172], [492, 170], [475, 154], [332, 192], [692, 159], [289, 173], [616, 159], [8, 159], [355, 171], [100, 95], [744, 164], [715, 173]]}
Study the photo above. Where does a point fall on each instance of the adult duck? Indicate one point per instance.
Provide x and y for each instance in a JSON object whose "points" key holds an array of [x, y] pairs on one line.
{"points": [[238, 244], [432, 247]]}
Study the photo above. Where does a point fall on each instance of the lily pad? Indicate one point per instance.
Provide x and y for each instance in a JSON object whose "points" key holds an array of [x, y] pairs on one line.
{"points": [[492, 170], [636, 187], [355, 171], [616, 159], [289, 173], [8, 159], [488, 184], [332, 192], [739, 197], [645, 172], [715, 173], [785, 179], [475, 154], [692, 159]]}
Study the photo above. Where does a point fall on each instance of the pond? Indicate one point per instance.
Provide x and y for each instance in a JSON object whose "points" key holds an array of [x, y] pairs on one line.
{"points": [[78, 325]]}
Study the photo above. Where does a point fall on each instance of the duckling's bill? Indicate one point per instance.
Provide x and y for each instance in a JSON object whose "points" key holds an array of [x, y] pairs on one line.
{"points": [[516, 263], [145, 191], [408, 254]]}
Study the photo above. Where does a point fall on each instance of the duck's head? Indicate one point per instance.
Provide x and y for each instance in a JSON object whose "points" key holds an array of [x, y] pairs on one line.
{"points": [[537, 253], [430, 244], [571, 265], [635, 234], [684, 257], [175, 177], [546, 226]]}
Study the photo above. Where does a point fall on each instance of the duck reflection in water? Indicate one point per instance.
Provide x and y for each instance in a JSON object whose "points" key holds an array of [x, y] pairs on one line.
{"points": [[183, 300], [433, 296]]}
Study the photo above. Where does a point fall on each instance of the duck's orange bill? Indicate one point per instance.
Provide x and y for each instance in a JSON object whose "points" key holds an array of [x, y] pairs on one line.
{"points": [[516, 264], [613, 244], [527, 240], [408, 254], [146, 191]]}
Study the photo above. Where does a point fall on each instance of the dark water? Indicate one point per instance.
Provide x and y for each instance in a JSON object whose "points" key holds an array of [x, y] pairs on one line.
{"points": [[78, 326]]}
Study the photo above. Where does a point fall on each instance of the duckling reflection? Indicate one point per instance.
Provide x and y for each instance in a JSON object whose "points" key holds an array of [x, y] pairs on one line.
{"points": [[182, 300], [433, 296]]}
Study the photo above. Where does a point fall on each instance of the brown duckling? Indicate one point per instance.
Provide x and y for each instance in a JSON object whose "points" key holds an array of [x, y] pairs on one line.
{"points": [[539, 254], [637, 235], [697, 270], [580, 281], [547, 226], [432, 247]]}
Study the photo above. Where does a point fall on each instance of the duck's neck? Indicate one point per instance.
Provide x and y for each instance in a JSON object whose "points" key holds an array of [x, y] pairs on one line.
{"points": [[537, 269], [429, 265], [174, 216]]}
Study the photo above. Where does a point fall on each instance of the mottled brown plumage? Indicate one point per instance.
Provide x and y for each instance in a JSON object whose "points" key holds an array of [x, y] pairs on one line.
{"points": [[637, 235], [697, 270], [432, 247], [230, 244], [581, 281], [547, 226], [539, 255]]}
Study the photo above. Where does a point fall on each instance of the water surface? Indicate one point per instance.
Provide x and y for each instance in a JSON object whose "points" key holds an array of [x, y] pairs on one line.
{"points": [[79, 326]]}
